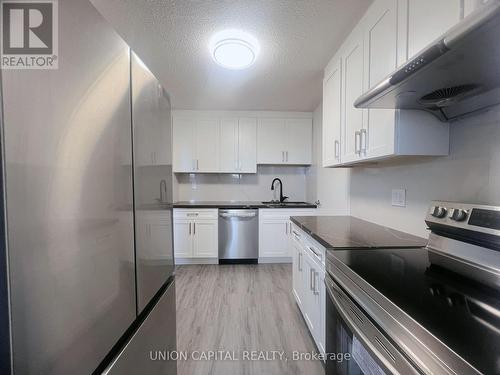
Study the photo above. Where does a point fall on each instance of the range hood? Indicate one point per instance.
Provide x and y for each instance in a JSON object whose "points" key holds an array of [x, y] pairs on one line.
{"points": [[455, 76]]}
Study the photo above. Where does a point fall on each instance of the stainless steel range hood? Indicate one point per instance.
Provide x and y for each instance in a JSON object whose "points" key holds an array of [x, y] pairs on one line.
{"points": [[456, 75]]}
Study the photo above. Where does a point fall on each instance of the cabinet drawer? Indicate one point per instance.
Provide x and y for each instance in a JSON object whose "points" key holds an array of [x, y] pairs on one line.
{"points": [[285, 213], [311, 246], [200, 214]]}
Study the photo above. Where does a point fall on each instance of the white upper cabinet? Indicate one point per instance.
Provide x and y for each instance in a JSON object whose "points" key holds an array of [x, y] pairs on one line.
{"points": [[207, 137], [428, 19], [331, 113], [271, 141], [380, 42], [235, 142], [196, 145], [383, 40], [228, 145], [298, 134], [352, 89], [284, 141], [184, 154], [238, 145], [247, 145]]}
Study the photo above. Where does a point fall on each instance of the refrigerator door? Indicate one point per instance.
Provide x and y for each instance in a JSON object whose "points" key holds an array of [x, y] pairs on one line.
{"points": [[147, 351], [67, 140], [152, 182]]}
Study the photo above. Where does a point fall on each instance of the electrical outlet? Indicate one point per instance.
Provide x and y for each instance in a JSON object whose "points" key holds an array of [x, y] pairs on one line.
{"points": [[399, 197]]}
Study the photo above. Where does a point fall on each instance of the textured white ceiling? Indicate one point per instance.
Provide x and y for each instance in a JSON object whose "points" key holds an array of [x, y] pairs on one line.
{"points": [[297, 38]]}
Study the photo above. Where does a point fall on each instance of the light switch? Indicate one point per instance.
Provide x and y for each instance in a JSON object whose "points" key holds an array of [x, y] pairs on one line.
{"points": [[399, 197]]}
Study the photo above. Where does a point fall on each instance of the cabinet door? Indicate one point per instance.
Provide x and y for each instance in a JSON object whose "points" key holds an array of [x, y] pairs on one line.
{"points": [[307, 298], [380, 43], [298, 272], [271, 141], [183, 239], [352, 89], [298, 133], [229, 145], [163, 143], [160, 236], [184, 146], [273, 238], [247, 145], [207, 145], [205, 237], [428, 19], [332, 116], [320, 303], [312, 312]]}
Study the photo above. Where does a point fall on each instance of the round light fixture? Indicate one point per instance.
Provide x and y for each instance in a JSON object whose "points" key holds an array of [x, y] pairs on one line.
{"points": [[234, 49]]}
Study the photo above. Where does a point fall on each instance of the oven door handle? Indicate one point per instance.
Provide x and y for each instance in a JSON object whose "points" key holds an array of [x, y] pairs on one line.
{"points": [[376, 347]]}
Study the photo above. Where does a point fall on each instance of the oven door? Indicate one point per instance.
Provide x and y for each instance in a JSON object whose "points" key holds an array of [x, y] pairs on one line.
{"points": [[350, 331]]}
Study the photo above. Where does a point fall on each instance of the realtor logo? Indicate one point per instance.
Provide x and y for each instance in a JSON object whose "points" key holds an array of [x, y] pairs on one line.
{"points": [[29, 34]]}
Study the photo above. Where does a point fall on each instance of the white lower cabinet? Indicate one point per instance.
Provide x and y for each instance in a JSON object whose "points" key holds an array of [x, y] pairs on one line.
{"points": [[154, 231], [195, 235], [275, 231], [308, 277]]}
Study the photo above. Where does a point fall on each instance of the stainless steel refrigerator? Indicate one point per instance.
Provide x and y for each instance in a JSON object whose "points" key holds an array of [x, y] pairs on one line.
{"points": [[86, 277]]}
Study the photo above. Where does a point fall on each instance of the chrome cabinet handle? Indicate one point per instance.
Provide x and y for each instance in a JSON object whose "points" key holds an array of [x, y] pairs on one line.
{"points": [[194, 229], [286, 153], [311, 275], [283, 156], [300, 262], [363, 141], [192, 214], [315, 291], [296, 234], [316, 254], [357, 135], [337, 150], [189, 228], [197, 165]]}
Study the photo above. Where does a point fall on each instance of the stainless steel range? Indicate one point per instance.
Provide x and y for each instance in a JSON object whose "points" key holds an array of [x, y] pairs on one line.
{"points": [[431, 310]]}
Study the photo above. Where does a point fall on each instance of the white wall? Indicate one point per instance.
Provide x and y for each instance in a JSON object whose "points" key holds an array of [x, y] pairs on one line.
{"points": [[245, 187], [471, 173], [328, 185]]}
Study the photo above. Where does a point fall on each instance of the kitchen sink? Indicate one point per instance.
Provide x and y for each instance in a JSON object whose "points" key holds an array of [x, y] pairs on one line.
{"points": [[285, 204]]}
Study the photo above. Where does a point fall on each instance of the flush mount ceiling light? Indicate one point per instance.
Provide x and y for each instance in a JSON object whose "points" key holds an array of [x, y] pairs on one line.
{"points": [[234, 49]]}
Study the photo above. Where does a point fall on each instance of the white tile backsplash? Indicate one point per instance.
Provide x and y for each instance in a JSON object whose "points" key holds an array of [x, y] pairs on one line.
{"points": [[471, 173], [246, 187]]}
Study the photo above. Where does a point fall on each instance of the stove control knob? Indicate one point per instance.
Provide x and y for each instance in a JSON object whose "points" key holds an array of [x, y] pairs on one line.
{"points": [[439, 212], [458, 214]]}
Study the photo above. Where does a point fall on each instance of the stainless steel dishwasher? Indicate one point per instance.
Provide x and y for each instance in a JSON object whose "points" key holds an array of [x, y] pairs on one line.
{"points": [[238, 235]]}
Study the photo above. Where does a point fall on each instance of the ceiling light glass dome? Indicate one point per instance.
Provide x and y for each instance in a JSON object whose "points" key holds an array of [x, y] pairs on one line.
{"points": [[234, 49]]}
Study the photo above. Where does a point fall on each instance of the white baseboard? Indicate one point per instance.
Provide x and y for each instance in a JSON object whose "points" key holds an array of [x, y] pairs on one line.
{"points": [[275, 260], [182, 261]]}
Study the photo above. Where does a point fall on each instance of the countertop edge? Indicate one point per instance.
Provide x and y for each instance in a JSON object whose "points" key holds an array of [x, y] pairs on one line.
{"points": [[296, 220], [239, 206]]}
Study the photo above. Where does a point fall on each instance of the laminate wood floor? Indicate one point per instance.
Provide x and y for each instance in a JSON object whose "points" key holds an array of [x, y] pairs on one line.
{"points": [[240, 308]]}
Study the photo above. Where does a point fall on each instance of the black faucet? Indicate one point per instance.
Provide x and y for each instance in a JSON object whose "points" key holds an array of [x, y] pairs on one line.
{"points": [[282, 197]]}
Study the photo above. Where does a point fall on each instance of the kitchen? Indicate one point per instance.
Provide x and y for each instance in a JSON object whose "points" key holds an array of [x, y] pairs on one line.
{"points": [[250, 187]]}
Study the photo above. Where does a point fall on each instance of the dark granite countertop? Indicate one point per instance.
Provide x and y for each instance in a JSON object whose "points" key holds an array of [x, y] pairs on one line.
{"points": [[154, 206], [347, 232], [239, 204]]}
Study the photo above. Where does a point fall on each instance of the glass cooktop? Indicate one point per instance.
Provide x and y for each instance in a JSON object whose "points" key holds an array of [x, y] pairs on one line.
{"points": [[462, 313]]}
